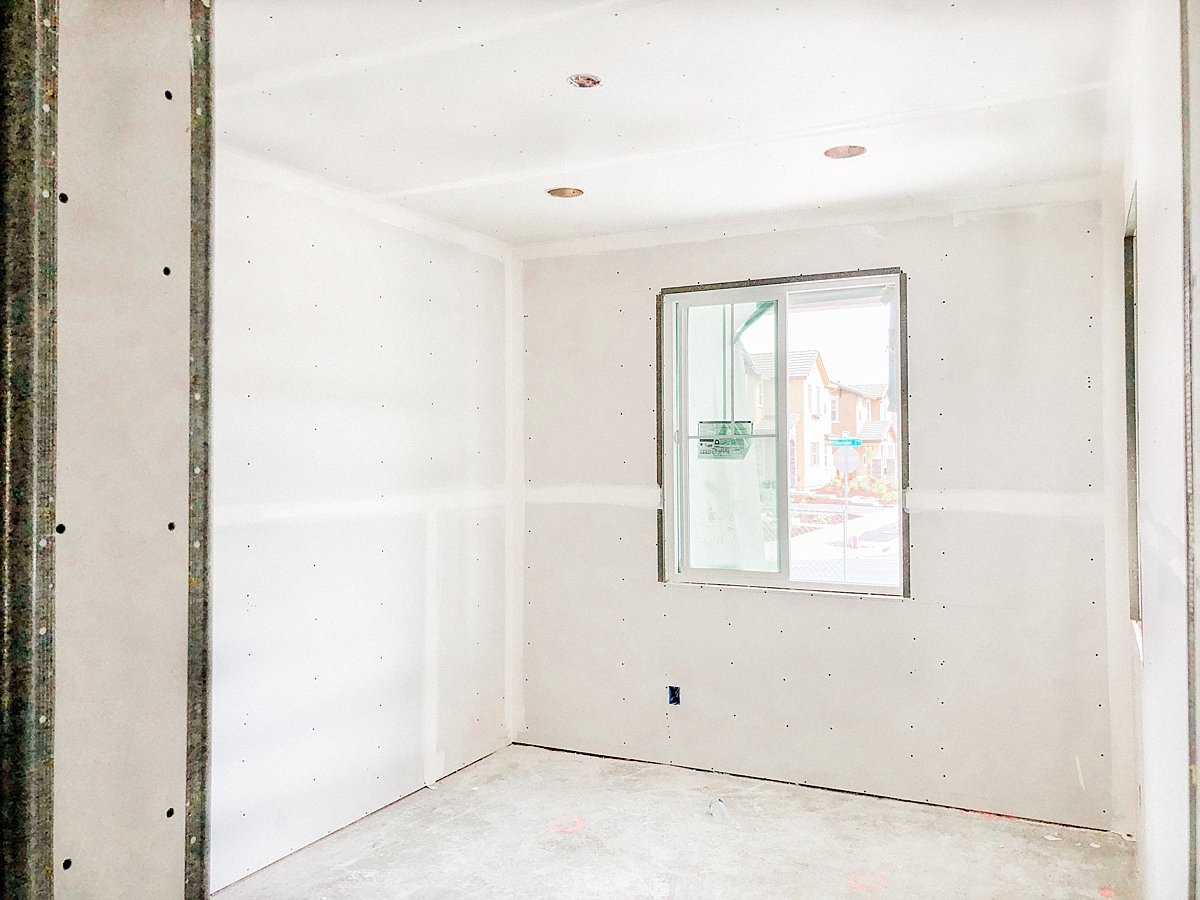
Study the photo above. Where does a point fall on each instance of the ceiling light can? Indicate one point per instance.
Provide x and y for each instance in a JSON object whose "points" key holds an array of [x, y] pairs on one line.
{"points": [[565, 192], [845, 151], [585, 81]]}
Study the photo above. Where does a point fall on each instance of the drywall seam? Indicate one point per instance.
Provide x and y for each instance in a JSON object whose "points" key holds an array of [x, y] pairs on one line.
{"points": [[468, 38], [953, 204], [1080, 505], [28, 228], [1116, 513], [642, 496], [514, 509], [403, 504], [197, 830], [434, 762], [856, 126], [241, 163]]}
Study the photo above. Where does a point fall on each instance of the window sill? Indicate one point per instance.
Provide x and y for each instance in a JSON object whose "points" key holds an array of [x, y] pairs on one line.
{"points": [[778, 589]]}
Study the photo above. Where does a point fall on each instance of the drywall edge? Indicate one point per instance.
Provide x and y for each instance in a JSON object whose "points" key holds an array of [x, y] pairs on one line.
{"points": [[1123, 732], [514, 506]]}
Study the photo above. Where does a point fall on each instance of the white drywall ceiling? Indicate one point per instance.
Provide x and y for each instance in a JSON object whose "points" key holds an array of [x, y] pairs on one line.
{"points": [[710, 110]]}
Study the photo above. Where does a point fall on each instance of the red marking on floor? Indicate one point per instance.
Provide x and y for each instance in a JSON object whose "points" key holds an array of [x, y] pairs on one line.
{"points": [[1107, 892], [867, 881], [565, 826], [990, 815]]}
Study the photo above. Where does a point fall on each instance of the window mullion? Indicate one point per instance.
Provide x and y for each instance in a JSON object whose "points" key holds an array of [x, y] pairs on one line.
{"points": [[783, 528], [681, 432]]}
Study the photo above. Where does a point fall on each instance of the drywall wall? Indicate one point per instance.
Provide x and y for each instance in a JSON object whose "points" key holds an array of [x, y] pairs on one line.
{"points": [[121, 608], [990, 688], [359, 512], [1155, 166]]}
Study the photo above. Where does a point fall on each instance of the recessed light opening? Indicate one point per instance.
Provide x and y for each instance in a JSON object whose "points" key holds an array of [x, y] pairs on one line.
{"points": [[845, 151], [585, 81], [564, 192]]}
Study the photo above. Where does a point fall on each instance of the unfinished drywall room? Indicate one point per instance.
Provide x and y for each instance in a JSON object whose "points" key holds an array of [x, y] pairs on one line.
{"points": [[636, 448]]}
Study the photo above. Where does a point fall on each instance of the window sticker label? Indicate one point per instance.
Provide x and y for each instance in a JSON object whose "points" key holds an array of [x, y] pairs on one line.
{"points": [[725, 440]]}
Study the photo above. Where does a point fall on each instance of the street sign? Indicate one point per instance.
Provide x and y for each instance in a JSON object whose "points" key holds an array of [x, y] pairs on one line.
{"points": [[845, 459], [724, 440], [845, 442]]}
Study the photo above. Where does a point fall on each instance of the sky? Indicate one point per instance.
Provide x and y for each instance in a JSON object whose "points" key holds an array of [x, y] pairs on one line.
{"points": [[853, 342]]}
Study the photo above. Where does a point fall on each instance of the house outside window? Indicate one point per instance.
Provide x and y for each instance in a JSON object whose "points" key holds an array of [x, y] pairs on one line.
{"points": [[739, 509]]}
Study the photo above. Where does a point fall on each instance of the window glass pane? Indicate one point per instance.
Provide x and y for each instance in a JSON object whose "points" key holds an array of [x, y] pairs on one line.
{"points": [[844, 501], [732, 494], [733, 507], [730, 354]]}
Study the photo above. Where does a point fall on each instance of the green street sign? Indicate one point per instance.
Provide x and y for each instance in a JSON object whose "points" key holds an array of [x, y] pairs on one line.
{"points": [[724, 440], [845, 442]]}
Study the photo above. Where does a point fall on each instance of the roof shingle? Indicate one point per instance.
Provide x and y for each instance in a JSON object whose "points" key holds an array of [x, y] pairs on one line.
{"points": [[874, 432], [800, 363]]}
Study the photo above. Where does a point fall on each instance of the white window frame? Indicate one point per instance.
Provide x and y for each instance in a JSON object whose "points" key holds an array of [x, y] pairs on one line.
{"points": [[673, 462]]}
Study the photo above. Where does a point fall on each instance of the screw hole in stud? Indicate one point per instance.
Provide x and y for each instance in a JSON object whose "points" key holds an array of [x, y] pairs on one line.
{"points": [[170, 526], [62, 198], [170, 812], [66, 864], [60, 528], [166, 270], [167, 94]]}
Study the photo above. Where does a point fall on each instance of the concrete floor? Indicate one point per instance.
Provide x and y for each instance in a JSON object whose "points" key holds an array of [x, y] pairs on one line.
{"points": [[531, 823]]}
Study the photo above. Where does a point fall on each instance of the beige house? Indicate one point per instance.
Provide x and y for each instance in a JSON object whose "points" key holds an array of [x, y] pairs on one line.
{"points": [[879, 450], [863, 411], [853, 405], [819, 409], [810, 463]]}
